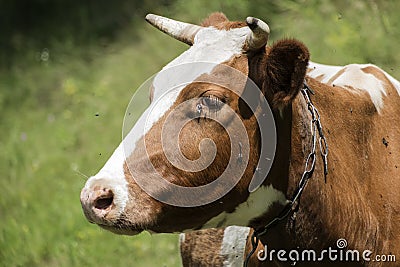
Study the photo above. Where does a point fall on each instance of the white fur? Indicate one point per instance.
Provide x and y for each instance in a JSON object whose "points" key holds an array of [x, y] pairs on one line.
{"points": [[326, 70], [210, 45], [353, 77], [356, 78], [257, 204], [233, 245]]}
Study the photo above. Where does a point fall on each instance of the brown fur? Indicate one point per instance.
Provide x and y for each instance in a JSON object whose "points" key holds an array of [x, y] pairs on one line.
{"points": [[283, 82], [214, 19], [201, 248], [221, 22], [195, 245]]}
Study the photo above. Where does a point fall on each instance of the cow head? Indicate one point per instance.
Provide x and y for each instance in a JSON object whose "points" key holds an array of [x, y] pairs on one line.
{"points": [[193, 153]]}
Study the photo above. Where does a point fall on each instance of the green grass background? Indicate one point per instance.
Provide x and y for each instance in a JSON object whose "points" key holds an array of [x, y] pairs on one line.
{"points": [[51, 92]]}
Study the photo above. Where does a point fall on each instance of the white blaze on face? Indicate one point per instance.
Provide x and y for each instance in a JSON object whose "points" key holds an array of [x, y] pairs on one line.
{"points": [[353, 77], [210, 45]]}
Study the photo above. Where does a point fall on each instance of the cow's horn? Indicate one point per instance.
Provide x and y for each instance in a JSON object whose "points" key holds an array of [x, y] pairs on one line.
{"points": [[184, 32], [258, 37]]}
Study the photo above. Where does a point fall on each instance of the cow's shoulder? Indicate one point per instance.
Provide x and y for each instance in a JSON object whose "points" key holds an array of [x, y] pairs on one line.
{"points": [[357, 78]]}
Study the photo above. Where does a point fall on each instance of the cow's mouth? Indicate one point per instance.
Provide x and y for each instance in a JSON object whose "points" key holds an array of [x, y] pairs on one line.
{"points": [[120, 230]]}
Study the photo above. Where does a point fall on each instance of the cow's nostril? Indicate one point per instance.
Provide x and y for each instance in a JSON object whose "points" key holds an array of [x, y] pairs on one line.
{"points": [[104, 201]]}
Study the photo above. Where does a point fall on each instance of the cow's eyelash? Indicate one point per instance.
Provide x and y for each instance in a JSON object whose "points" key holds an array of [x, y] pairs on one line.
{"points": [[208, 105], [212, 102]]}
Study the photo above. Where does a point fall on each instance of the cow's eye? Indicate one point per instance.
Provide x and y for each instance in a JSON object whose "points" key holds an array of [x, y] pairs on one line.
{"points": [[212, 102], [209, 105]]}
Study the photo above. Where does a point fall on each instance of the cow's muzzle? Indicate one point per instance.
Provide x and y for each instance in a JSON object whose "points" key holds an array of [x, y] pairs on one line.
{"points": [[97, 203]]}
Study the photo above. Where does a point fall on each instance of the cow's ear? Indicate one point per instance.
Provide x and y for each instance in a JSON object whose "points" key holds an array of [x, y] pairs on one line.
{"points": [[285, 68]]}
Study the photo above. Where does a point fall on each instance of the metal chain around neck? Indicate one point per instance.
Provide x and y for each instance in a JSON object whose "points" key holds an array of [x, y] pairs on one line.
{"points": [[316, 129]]}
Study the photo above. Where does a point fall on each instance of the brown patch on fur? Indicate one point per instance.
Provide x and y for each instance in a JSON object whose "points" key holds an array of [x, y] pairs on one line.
{"points": [[221, 22], [320, 77], [381, 76], [202, 248], [337, 75], [214, 19], [230, 25]]}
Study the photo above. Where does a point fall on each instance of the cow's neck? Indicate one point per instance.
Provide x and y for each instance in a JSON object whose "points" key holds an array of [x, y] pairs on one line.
{"points": [[293, 146], [279, 173], [327, 211]]}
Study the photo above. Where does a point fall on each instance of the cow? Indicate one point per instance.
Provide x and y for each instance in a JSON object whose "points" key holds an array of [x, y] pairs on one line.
{"points": [[352, 197]]}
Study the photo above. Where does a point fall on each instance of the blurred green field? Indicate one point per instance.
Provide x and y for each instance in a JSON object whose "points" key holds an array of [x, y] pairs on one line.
{"points": [[62, 107]]}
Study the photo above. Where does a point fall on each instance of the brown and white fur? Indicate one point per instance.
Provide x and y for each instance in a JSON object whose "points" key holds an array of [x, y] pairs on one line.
{"points": [[194, 245], [359, 198]]}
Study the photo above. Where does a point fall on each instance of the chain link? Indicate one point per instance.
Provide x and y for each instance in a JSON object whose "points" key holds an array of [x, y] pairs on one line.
{"points": [[316, 122], [315, 128]]}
